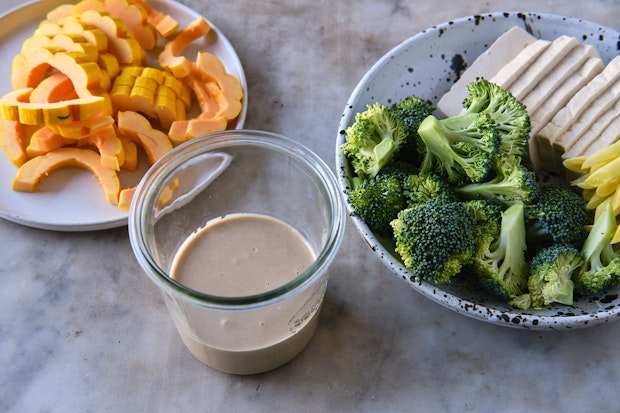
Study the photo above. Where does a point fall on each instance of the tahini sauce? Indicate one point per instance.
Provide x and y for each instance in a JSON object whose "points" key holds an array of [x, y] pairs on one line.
{"points": [[240, 255]]}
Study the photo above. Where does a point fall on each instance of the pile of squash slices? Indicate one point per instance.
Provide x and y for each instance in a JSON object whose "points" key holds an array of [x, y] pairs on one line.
{"points": [[83, 94]]}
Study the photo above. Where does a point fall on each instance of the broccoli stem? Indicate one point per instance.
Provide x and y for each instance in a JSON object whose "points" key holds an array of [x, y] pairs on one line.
{"points": [[460, 121], [499, 187], [438, 139], [451, 129], [384, 150], [511, 234], [600, 236]]}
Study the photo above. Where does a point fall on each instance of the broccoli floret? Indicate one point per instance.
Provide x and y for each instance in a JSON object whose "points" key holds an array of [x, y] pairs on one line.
{"points": [[373, 139], [509, 114], [397, 169], [421, 188], [551, 272], [411, 111], [487, 217], [434, 240], [601, 268], [512, 183], [559, 216], [523, 301], [462, 152], [501, 267], [377, 202]]}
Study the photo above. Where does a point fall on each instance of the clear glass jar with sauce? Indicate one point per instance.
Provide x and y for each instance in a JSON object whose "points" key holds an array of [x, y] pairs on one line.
{"points": [[238, 230]]}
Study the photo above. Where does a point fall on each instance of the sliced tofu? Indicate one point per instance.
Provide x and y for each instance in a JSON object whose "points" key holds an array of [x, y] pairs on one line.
{"points": [[571, 138], [572, 63], [606, 137], [547, 62], [591, 130], [501, 51], [511, 71], [578, 104], [541, 145], [552, 94]]}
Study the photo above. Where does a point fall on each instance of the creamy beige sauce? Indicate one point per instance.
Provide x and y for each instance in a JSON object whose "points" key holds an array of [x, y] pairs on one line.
{"points": [[240, 255]]}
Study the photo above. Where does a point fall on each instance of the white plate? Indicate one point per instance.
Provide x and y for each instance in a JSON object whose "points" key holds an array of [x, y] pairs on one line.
{"points": [[425, 65], [71, 199]]}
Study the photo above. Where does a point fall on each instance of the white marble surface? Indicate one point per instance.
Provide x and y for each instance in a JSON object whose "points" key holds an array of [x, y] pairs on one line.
{"points": [[83, 330]]}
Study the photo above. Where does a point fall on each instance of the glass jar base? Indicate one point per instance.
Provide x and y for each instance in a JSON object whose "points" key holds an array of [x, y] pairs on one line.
{"points": [[252, 361]]}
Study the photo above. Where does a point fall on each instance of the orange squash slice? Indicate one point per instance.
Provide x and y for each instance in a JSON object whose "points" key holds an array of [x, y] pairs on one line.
{"points": [[108, 145], [133, 14], [71, 25], [13, 141], [126, 49], [163, 23], [183, 130], [45, 140], [16, 106], [28, 70], [125, 197], [139, 129], [171, 57], [228, 93], [33, 171], [54, 88], [152, 92], [131, 154], [82, 128]]}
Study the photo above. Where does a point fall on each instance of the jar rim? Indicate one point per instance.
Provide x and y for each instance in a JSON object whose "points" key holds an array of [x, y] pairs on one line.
{"points": [[144, 200]]}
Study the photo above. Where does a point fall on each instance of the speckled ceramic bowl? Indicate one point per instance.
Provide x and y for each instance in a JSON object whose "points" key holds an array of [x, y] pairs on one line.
{"points": [[426, 65]]}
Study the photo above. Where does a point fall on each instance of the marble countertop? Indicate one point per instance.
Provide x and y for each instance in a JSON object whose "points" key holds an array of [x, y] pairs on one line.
{"points": [[83, 330]]}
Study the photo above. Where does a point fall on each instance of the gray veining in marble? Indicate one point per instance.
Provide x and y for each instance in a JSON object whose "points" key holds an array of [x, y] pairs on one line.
{"points": [[82, 330]]}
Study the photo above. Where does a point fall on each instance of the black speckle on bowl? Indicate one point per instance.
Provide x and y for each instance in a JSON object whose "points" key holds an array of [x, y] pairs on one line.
{"points": [[458, 64]]}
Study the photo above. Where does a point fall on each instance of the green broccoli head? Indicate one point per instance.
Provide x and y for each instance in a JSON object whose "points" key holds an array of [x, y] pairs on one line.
{"points": [[523, 301], [509, 114], [487, 217], [461, 152], [434, 240], [377, 202], [559, 216], [421, 188], [398, 169], [501, 266], [373, 139], [411, 111], [601, 268], [595, 281], [511, 183], [551, 273]]}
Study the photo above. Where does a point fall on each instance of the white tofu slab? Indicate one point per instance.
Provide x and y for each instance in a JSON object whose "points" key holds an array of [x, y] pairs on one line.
{"points": [[502, 51], [545, 64], [589, 128], [581, 101]]}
